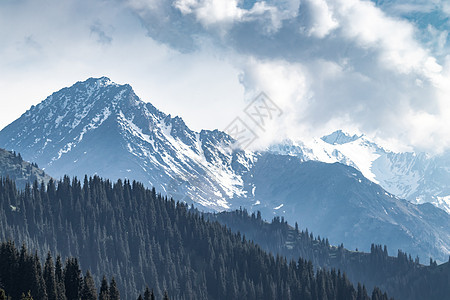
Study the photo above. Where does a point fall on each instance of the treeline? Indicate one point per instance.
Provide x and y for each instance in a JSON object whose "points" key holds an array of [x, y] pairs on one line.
{"points": [[128, 231], [401, 276]]}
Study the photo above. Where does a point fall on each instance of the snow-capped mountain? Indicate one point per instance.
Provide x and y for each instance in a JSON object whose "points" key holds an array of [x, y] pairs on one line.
{"points": [[417, 177], [100, 127]]}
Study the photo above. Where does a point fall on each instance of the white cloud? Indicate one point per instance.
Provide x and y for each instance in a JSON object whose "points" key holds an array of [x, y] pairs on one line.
{"points": [[438, 40], [211, 11], [446, 8], [323, 19], [371, 28], [223, 13], [329, 64], [287, 86]]}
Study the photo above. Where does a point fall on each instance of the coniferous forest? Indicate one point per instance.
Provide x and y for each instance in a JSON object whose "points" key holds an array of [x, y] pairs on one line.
{"points": [[401, 276], [22, 172], [128, 232], [24, 277]]}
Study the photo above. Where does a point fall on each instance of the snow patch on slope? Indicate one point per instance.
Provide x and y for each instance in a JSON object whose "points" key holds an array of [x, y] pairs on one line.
{"points": [[95, 122], [358, 153]]}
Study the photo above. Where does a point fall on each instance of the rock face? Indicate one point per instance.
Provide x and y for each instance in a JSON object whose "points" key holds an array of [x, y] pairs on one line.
{"points": [[99, 127]]}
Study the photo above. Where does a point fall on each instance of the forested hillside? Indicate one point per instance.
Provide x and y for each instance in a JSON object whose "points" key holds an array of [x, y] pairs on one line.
{"points": [[402, 276], [23, 276], [124, 230], [13, 166]]}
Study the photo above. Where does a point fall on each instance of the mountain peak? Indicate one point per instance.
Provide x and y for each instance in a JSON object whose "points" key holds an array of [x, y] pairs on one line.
{"points": [[101, 81], [339, 137], [84, 94]]}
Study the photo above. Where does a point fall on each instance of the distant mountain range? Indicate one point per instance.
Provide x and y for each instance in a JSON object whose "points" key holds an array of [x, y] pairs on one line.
{"points": [[100, 127], [417, 177]]}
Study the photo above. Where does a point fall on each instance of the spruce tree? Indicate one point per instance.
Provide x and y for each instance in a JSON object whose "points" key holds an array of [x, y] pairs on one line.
{"points": [[25, 274], [89, 291], [104, 290], [39, 283], [113, 290], [9, 258], [72, 279], [49, 278], [147, 294], [59, 279], [166, 296], [378, 295]]}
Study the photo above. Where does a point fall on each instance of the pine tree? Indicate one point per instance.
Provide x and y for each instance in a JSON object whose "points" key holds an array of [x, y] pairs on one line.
{"points": [[378, 295], [104, 290], [361, 293], [113, 290], [147, 294], [166, 296], [72, 279], [9, 258], [59, 279], [49, 278], [89, 291], [25, 274]]}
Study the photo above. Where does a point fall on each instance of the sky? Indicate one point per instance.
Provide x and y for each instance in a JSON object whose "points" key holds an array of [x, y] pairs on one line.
{"points": [[380, 68]]}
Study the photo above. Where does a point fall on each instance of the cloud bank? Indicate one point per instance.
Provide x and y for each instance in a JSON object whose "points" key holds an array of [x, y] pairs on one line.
{"points": [[352, 64], [374, 67]]}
